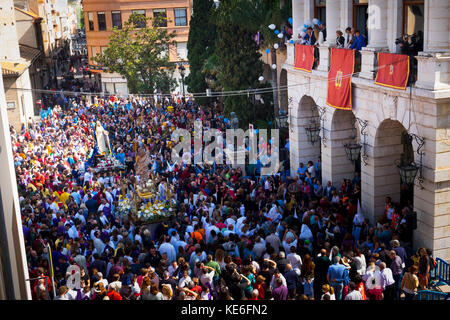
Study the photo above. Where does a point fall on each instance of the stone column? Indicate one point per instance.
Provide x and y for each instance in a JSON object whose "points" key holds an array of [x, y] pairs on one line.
{"points": [[324, 57], [377, 23], [308, 10], [437, 20], [346, 15], [432, 203], [297, 17], [290, 50], [433, 71], [394, 23], [333, 11]]}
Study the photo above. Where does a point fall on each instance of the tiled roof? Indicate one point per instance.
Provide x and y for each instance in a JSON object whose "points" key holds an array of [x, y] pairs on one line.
{"points": [[12, 68], [29, 13]]}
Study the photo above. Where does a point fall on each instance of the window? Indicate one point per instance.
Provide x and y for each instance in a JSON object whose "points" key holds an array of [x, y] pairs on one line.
{"points": [[93, 54], [413, 18], [160, 13], [91, 21], [182, 50], [140, 24], [101, 21], [116, 19], [10, 105], [165, 52], [320, 10], [102, 50], [360, 15], [180, 17]]}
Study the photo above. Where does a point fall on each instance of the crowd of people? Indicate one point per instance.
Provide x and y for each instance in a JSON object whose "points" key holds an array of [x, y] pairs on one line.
{"points": [[233, 236]]}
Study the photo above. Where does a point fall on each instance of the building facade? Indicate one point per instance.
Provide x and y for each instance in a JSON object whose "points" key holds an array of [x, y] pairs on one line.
{"points": [[101, 16], [13, 261], [390, 124], [15, 70]]}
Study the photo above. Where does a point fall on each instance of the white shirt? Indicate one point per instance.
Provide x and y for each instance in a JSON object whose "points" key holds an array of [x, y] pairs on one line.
{"points": [[274, 241], [208, 232], [259, 248], [184, 281], [207, 277], [168, 249], [386, 278], [287, 246], [312, 171], [87, 176], [272, 282], [230, 221], [295, 260], [104, 281], [71, 294], [354, 295], [360, 264]]}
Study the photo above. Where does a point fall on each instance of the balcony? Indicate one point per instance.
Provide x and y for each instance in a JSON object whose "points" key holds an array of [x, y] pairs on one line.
{"points": [[429, 71]]}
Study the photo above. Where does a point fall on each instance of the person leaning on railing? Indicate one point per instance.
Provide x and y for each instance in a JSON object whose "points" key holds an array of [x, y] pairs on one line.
{"points": [[340, 40]]}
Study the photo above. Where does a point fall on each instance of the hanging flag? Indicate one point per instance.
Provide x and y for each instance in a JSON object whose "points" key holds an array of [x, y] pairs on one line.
{"points": [[393, 70], [339, 93], [304, 57]]}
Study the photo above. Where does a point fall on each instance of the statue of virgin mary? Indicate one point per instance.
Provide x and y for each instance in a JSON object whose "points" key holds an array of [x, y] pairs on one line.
{"points": [[102, 139]]}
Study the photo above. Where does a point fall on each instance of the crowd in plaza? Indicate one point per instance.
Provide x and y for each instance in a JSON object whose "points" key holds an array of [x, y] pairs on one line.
{"points": [[234, 235]]}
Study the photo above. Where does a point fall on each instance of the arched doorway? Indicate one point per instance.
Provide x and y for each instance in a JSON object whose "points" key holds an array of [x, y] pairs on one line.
{"points": [[308, 116], [336, 164], [392, 144]]}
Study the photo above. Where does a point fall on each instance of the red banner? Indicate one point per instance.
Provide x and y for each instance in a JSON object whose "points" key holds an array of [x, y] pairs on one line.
{"points": [[393, 70], [339, 93], [304, 57]]}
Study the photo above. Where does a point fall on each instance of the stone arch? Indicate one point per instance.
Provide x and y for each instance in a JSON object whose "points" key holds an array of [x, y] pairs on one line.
{"points": [[307, 113], [343, 129], [390, 145]]}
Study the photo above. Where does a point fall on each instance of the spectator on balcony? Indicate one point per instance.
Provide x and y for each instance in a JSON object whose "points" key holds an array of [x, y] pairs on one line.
{"points": [[287, 32], [340, 40], [309, 37], [349, 37], [318, 34], [323, 32], [360, 41]]}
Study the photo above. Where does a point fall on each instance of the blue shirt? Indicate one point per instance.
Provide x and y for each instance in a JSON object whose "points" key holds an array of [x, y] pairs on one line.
{"points": [[359, 43], [302, 171], [338, 272]]}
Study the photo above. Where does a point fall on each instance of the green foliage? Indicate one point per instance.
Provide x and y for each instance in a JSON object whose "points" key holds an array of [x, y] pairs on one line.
{"points": [[201, 44], [239, 62], [141, 55]]}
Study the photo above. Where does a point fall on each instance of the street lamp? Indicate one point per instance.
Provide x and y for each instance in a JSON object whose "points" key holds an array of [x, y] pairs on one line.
{"points": [[182, 70], [408, 172], [313, 133], [353, 151]]}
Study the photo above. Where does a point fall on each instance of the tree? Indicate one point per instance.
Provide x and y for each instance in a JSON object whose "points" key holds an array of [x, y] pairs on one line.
{"points": [[140, 53], [268, 12], [200, 45], [239, 62]]}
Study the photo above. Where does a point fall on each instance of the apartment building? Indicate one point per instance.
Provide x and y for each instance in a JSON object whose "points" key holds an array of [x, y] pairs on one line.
{"points": [[101, 16]]}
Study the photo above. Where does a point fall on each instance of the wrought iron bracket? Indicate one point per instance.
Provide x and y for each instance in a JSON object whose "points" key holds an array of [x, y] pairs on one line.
{"points": [[420, 143], [363, 125], [322, 117]]}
